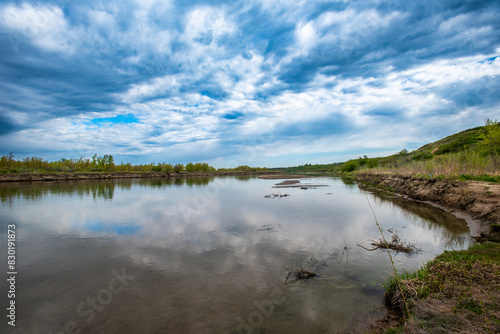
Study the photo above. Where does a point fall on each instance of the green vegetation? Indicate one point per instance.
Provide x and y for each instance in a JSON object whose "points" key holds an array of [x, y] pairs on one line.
{"points": [[308, 168], [473, 154], [464, 284], [106, 163], [242, 169]]}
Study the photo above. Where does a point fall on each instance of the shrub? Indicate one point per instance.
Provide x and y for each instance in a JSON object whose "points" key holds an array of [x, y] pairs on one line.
{"points": [[349, 166]]}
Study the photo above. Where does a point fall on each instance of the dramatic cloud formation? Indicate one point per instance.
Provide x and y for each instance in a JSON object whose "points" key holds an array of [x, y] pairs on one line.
{"points": [[264, 83]]}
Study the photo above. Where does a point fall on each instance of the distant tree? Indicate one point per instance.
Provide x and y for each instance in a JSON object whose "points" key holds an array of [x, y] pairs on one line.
{"points": [[167, 168], [349, 166], [190, 167], [206, 167], [178, 168], [94, 161], [108, 162], [491, 137], [8, 159], [156, 168]]}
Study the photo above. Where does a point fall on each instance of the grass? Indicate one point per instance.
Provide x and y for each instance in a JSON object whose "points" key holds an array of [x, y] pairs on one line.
{"points": [[472, 154], [467, 282], [466, 164]]}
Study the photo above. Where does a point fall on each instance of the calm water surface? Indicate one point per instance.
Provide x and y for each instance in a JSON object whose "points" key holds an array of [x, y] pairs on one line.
{"points": [[206, 255]]}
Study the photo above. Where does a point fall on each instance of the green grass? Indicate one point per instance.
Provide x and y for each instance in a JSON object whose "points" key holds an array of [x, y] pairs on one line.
{"points": [[485, 252], [468, 279], [472, 154], [445, 271], [484, 178], [471, 305]]}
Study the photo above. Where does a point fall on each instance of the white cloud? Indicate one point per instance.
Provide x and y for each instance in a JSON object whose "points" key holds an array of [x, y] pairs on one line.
{"points": [[207, 25], [45, 26], [101, 18], [306, 36], [341, 31]]}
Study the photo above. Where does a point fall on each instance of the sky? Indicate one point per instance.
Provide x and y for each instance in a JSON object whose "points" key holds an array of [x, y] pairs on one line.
{"points": [[255, 82]]}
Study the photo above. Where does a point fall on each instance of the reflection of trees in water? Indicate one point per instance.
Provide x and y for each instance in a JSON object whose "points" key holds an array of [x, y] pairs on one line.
{"points": [[104, 189], [36, 190], [198, 181], [453, 231], [177, 181], [244, 178]]}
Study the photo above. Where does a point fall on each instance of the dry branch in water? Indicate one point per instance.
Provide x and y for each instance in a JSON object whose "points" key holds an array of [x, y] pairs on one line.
{"points": [[395, 244], [276, 195], [299, 274]]}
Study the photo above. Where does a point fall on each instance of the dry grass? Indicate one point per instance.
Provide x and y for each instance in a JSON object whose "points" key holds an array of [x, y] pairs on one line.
{"points": [[452, 165], [459, 292]]}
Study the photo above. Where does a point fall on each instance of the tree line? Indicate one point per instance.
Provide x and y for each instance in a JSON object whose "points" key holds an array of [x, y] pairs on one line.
{"points": [[105, 163]]}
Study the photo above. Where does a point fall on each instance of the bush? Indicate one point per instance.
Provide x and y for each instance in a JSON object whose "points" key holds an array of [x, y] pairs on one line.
{"points": [[423, 156], [178, 168], [156, 168], [349, 166]]}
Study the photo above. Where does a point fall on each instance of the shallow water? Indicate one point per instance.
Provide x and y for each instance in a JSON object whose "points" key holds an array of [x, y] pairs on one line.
{"points": [[207, 255]]}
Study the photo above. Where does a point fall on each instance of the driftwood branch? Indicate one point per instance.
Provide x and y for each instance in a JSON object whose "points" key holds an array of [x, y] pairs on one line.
{"points": [[396, 244], [298, 274]]}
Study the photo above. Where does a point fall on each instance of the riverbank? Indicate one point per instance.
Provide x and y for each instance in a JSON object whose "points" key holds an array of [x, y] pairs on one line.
{"points": [[27, 177], [475, 201], [459, 291]]}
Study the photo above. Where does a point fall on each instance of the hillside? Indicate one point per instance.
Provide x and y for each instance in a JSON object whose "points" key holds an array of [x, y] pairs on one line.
{"points": [[468, 140], [469, 154]]}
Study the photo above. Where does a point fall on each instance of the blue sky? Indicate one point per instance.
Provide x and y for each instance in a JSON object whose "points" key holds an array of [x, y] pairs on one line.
{"points": [[257, 82]]}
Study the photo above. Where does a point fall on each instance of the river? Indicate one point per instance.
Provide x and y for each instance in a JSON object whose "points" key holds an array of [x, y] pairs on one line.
{"points": [[208, 255]]}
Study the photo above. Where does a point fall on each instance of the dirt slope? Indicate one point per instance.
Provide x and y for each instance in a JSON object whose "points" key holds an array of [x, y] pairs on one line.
{"points": [[470, 199]]}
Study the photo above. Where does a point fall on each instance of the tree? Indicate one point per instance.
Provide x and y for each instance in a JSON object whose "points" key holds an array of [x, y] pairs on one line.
{"points": [[10, 158], [167, 168], [491, 137], [349, 166], [108, 162], [178, 168], [190, 167]]}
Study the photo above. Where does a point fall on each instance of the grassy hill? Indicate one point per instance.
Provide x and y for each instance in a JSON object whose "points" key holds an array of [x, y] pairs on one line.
{"points": [[473, 153], [458, 142]]}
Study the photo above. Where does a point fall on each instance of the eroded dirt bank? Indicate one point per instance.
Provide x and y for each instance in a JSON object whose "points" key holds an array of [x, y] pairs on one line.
{"points": [[478, 200]]}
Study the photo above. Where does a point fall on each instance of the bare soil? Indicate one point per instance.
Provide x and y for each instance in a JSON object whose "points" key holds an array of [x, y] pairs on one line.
{"points": [[477, 202]]}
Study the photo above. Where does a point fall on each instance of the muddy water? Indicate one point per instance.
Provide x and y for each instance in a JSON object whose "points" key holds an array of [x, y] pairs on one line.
{"points": [[206, 255]]}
